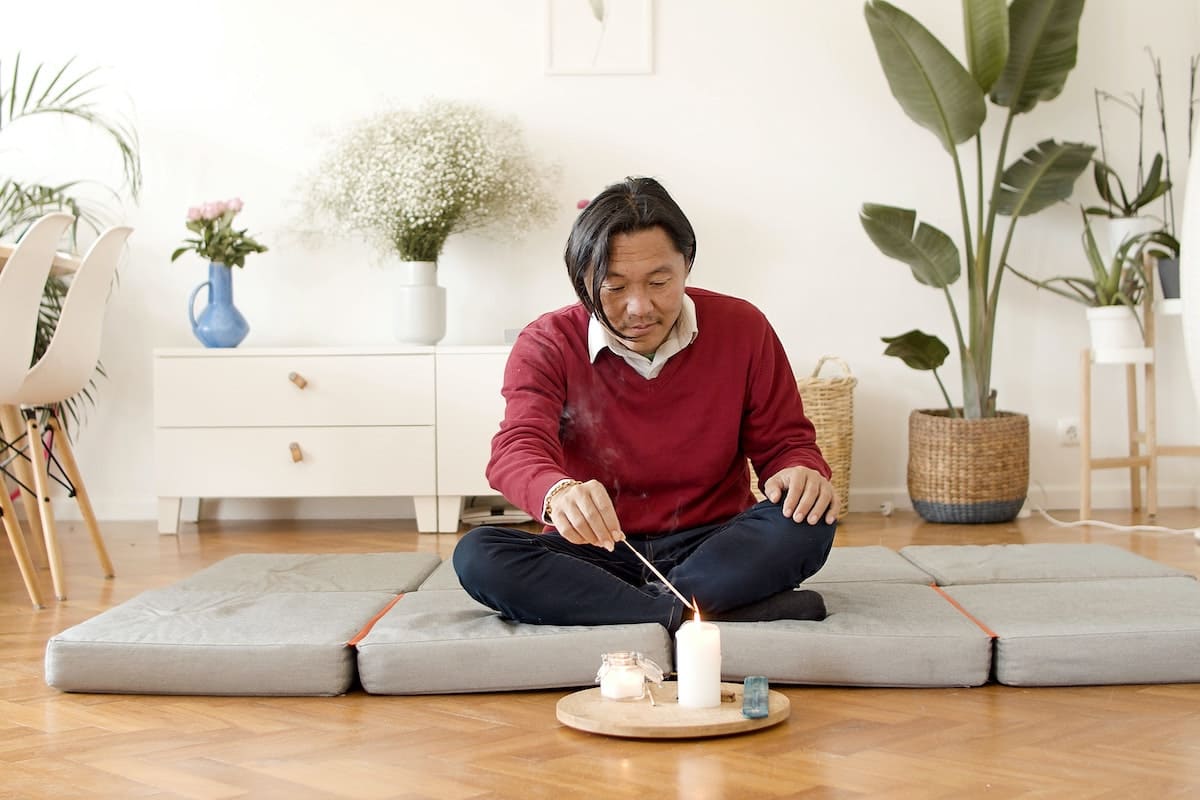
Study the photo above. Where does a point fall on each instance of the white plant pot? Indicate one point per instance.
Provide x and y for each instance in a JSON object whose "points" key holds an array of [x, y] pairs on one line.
{"points": [[419, 313], [1114, 328], [1120, 229]]}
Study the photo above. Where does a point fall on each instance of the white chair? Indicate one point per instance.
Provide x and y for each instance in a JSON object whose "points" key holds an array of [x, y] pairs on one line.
{"points": [[62, 371], [22, 278]]}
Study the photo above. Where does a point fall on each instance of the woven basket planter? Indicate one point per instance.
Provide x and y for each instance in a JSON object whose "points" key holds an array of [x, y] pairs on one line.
{"points": [[829, 405], [967, 470]]}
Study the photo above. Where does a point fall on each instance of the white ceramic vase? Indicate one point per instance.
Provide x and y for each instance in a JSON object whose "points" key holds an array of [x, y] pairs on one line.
{"points": [[419, 313]]}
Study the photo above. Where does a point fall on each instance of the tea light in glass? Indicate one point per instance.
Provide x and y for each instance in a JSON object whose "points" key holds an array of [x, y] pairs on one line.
{"points": [[621, 676]]}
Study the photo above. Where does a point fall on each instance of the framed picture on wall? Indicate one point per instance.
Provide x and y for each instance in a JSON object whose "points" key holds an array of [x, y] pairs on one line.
{"points": [[599, 37]]}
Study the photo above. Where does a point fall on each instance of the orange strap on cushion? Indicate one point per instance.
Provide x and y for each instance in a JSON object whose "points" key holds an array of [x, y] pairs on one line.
{"points": [[991, 633], [362, 634]]}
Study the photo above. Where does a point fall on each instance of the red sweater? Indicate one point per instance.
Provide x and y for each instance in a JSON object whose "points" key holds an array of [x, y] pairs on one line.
{"points": [[671, 451]]}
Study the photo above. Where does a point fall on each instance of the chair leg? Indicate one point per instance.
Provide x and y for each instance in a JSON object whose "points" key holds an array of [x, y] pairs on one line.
{"points": [[16, 537], [14, 431], [41, 482], [67, 455]]}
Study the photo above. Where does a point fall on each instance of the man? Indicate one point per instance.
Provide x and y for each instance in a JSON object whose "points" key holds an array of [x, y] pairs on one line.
{"points": [[629, 419]]}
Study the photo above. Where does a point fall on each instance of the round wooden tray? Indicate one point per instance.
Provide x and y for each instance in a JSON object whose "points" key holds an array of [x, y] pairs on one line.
{"points": [[588, 711]]}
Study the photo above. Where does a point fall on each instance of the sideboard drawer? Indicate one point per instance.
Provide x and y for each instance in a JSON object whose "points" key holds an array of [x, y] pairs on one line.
{"points": [[253, 391], [257, 462]]}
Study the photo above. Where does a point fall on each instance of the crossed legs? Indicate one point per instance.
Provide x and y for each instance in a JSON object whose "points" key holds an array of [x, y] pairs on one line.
{"points": [[544, 579]]}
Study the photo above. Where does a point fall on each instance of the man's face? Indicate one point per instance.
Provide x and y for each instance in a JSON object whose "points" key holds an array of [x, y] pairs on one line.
{"points": [[643, 292]]}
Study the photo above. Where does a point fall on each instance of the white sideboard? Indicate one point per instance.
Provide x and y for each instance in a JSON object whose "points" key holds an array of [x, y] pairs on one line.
{"points": [[327, 422]]}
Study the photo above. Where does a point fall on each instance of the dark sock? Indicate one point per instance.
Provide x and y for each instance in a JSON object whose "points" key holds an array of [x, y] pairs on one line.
{"points": [[793, 604]]}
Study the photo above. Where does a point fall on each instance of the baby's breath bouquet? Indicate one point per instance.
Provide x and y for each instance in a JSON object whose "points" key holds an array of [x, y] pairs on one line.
{"points": [[408, 179]]}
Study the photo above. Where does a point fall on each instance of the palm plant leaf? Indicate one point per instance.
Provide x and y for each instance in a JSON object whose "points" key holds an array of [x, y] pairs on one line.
{"points": [[985, 23], [930, 84], [930, 253], [1043, 39], [1044, 175], [71, 96], [917, 349]]}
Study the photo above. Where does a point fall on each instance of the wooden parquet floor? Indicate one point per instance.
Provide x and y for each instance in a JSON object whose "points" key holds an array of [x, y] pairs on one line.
{"points": [[991, 741]]}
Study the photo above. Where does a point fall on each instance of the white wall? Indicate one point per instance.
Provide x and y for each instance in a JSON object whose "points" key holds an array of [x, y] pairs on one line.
{"points": [[769, 120]]}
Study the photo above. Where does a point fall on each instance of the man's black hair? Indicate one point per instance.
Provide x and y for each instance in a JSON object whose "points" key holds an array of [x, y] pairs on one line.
{"points": [[635, 204]]}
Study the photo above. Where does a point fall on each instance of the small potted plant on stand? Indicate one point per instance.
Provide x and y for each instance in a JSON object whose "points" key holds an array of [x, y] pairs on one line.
{"points": [[1112, 293]]}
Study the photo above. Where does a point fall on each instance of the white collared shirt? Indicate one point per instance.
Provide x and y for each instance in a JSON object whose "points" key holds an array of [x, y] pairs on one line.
{"points": [[682, 334]]}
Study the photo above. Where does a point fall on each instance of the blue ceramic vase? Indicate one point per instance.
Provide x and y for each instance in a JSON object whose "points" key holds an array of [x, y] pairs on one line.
{"points": [[220, 324]]}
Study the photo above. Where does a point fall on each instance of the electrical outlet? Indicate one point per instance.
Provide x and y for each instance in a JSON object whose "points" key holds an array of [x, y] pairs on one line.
{"points": [[1068, 431]]}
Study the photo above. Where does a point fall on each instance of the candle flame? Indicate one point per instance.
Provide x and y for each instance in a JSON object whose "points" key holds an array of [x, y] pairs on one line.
{"points": [[696, 609]]}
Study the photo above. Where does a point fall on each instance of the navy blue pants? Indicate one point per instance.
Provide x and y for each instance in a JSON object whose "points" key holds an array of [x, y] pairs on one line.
{"points": [[544, 579]]}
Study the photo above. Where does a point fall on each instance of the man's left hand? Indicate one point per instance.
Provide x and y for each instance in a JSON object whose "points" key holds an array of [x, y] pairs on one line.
{"points": [[806, 493]]}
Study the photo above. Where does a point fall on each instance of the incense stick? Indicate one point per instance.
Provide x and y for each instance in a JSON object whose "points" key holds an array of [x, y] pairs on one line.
{"points": [[661, 577]]}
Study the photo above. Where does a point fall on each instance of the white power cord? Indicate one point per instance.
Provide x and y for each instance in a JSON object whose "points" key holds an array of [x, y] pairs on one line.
{"points": [[1109, 525]]}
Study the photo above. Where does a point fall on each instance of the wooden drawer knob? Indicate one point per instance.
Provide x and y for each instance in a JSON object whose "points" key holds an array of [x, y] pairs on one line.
{"points": [[298, 379], [296, 454]]}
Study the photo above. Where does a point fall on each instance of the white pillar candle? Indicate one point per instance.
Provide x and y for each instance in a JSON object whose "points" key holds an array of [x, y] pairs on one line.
{"points": [[698, 662]]}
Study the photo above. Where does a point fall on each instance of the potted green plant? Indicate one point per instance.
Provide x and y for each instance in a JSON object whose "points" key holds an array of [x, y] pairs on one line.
{"points": [[71, 94], [1165, 246], [1123, 210], [971, 463], [1112, 292]]}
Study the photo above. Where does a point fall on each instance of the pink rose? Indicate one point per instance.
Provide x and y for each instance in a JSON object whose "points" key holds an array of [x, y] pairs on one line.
{"points": [[193, 214], [582, 204], [234, 205], [210, 210]]}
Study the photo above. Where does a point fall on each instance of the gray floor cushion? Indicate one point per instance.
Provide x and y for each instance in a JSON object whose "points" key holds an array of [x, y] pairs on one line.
{"points": [[443, 641], [326, 572], [875, 564], [444, 577], [264, 624], [876, 634], [1140, 630], [952, 565], [252, 624], [180, 641]]}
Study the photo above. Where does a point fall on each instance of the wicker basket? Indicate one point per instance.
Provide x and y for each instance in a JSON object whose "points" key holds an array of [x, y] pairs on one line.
{"points": [[829, 404], [967, 470]]}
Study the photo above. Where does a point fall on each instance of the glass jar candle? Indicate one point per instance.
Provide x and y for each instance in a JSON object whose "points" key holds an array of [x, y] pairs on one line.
{"points": [[623, 675]]}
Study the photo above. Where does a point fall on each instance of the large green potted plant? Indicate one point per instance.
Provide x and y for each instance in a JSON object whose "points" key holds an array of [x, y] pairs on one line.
{"points": [[970, 463], [72, 95]]}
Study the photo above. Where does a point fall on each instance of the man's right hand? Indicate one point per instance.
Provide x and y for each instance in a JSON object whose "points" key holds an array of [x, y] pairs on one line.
{"points": [[584, 514]]}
